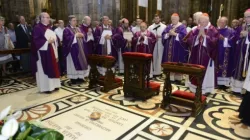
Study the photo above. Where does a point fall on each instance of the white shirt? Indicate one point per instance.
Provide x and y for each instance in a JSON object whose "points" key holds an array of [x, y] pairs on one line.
{"points": [[59, 33]]}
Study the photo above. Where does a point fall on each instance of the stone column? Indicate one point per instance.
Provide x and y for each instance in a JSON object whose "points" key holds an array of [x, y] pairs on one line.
{"points": [[95, 9], [175, 6]]}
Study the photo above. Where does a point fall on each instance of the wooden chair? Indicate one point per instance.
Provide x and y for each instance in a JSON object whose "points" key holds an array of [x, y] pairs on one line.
{"points": [[194, 100], [136, 76], [109, 81]]}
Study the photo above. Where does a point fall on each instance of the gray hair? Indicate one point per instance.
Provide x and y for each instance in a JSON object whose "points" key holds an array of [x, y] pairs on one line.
{"points": [[71, 17]]}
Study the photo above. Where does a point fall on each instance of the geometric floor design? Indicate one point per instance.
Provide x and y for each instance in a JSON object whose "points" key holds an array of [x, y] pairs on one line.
{"points": [[68, 111]]}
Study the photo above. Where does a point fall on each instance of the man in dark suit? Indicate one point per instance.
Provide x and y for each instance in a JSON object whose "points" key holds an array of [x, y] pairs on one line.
{"points": [[23, 36]]}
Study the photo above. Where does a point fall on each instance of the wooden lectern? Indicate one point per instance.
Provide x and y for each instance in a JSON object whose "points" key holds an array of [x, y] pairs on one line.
{"points": [[136, 76]]}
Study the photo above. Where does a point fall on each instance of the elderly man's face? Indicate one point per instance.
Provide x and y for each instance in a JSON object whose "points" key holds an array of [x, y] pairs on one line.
{"points": [[203, 22], [143, 27], [222, 23], [88, 21], [73, 22], [247, 17], [45, 19], [105, 21], [174, 20]]}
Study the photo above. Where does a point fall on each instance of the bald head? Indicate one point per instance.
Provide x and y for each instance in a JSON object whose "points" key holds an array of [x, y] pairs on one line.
{"points": [[87, 20], [45, 18], [222, 22], [143, 26]]}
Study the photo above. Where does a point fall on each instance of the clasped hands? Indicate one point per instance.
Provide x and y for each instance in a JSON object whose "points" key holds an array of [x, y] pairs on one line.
{"points": [[107, 37], [243, 33], [202, 33], [172, 33], [79, 35]]}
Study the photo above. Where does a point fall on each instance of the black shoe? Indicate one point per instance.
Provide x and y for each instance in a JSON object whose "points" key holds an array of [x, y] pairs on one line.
{"points": [[73, 81], [80, 81], [56, 89], [48, 92]]}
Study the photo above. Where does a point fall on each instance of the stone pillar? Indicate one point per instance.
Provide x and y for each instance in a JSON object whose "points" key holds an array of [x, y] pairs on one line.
{"points": [[14, 8], [175, 6], [95, 9]]}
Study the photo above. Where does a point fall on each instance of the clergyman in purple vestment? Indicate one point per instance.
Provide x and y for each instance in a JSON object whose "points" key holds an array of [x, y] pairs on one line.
{"points": [[77, 66], [144, 42], [244, 114], [87, 31], [124, 45], [106, 40], [204, 51], [227, 43], [175, 50], [241, 62], [45, 56]]}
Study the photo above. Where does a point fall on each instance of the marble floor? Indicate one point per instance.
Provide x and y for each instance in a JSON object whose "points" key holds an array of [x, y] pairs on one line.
{"points": [[68, 111]]}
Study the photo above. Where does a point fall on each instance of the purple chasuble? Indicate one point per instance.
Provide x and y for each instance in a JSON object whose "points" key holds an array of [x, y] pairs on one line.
{"points": [[102, 49], [89, 47], [201, 54], [174, 50], [225, 56], [240, 54], [139, 46], [48, 59], [76, 50]]}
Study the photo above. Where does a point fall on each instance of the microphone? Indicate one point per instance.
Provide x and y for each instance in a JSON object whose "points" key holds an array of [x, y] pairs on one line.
{"points": [[157, 27]]}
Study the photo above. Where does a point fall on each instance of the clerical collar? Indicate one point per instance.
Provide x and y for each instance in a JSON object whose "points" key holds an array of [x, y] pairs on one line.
{"points": [[209, 24], [105, 26], [176, 25], [43, 24], [72, 26], [158, 23], [85, 25]]}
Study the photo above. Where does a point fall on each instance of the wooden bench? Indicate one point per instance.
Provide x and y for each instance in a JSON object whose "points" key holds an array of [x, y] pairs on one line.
{"points": [[194, 100], [136, 76], [14, 51]]}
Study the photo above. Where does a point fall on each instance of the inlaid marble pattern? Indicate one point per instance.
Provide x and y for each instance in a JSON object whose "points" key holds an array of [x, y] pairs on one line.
{"points": [[144, 120]]}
